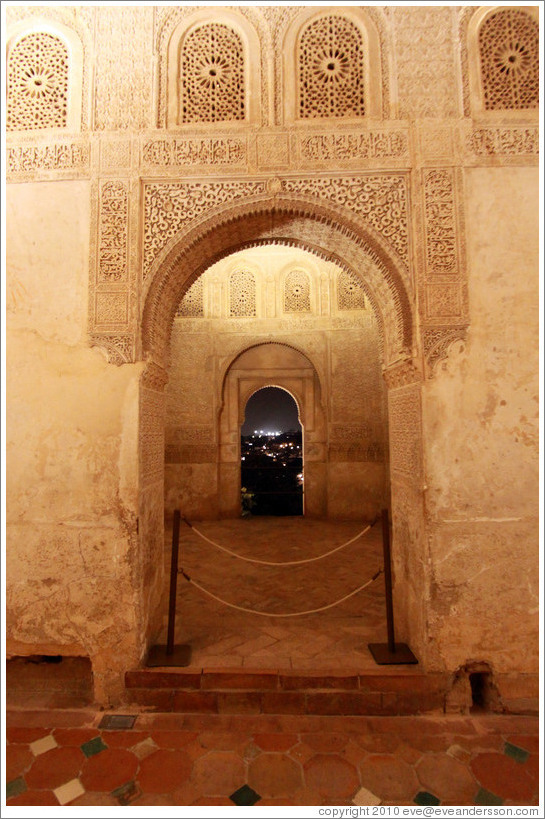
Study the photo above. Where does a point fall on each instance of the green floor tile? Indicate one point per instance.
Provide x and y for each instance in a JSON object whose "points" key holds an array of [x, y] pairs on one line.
{"points": [[485, 797], [426, 798], [15, 787], [94, 746], [516, 753], [245, 796], [127, 793]]}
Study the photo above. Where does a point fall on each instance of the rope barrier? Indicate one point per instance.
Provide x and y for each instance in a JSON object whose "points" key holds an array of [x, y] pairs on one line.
{"points": [[286, 562], [289, 614]]}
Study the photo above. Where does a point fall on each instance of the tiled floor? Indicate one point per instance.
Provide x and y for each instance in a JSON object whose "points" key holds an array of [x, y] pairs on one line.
{"points": [[65, 758], [223, 637]]}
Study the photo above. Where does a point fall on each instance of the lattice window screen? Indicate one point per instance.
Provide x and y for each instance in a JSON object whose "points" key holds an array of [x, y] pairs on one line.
{"points": [[509, 52], [350, 293], [37, 83], [212, 75], [331, 69], [191, 306], [242, 294], [297, 292]]}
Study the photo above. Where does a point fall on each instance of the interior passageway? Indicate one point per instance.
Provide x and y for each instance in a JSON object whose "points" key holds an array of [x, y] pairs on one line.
{"points": [[220, 636]]}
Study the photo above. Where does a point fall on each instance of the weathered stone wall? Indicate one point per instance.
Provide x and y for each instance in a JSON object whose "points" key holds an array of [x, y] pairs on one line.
{"points": [[71, 450], [481, 441]]}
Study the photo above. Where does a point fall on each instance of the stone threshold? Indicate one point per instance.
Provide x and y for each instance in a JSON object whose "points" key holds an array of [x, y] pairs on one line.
{"points": [[279, 692]]}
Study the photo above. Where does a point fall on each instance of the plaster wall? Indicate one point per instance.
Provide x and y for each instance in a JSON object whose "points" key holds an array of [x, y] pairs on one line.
{"points": [[481, 441], [70, 450]]}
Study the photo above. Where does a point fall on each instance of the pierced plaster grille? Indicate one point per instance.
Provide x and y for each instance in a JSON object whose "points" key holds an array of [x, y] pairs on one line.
{"points": [[297, 292], [509, 51], [331, 70], [242, 294], [37, 92], [350, 294], [212, 75], [191, 306]]}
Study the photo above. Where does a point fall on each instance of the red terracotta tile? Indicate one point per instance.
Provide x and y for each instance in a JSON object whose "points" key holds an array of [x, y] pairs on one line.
{"points": [[213, 800], [446, 778], [108, 770], [218, 773], [271, 802], [75, 736], [224, 741], [296, 682], [283, 702], [352, 702], [54, 768], [275, 742], [274, 775], [34, 798], [152, 698], [200, 701], [123, 739], [236, 681], [18, 759], [164, 771], [25, 735], [238, 702], [331, 776], [153, 800], [325, 742], [503, 776], [163, 679], [89, 799], [388, 777], [306, 796], [378, 743], [173, 739]]}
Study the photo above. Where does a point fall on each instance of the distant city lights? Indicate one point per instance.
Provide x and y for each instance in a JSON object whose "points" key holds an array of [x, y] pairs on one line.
{"points": [[267, 433]]}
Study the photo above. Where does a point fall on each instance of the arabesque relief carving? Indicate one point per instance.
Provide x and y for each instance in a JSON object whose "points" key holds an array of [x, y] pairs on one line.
{"points": [[25, 160]]}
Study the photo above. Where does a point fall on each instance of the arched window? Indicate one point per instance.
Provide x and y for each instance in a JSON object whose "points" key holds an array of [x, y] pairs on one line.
{"points": [[37, 80], [242, 294], [332, 66], [44, 77], [331, 69], [508, 41], [350, 293], [212, 75], [209, 75], [297, 292]]}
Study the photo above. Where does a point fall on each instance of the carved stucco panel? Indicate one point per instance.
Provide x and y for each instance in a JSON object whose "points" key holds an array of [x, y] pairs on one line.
{"points": [[426, 88], [168, 207], [405, 425], [124, 74]]}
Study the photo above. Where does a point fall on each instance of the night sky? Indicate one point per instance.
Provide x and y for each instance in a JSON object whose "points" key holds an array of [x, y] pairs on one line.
{"points": [[270, 409]]}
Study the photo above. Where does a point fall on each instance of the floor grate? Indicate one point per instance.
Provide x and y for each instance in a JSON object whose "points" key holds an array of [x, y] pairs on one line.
{"points": [[117, 722]]}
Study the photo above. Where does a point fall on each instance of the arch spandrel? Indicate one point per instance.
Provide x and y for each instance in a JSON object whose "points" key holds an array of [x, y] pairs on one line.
{"points": [[320, 229]]}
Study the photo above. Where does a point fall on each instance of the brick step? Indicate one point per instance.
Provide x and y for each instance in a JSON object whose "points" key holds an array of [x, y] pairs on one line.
{"points": [[278, 692]]}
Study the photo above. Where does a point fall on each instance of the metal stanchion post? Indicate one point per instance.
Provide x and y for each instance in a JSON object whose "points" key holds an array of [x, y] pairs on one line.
{"points": [[390, 653], [171, 655]]}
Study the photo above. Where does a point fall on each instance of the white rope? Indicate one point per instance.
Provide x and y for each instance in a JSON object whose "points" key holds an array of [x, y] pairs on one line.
{"points": [[293, 614], [285, 563]]}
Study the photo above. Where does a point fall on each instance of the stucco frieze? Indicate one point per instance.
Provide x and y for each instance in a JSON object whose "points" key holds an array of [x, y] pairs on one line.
{"points": [[51, 159]]}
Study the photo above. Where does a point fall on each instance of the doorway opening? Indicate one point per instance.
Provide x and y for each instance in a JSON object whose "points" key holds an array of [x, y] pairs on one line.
{"points": [[271, 455]]}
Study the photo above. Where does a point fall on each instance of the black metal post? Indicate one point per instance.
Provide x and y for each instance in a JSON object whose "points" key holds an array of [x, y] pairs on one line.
{"points": [[171, 655], [173, 581], [391, 653], [388, 580]]}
